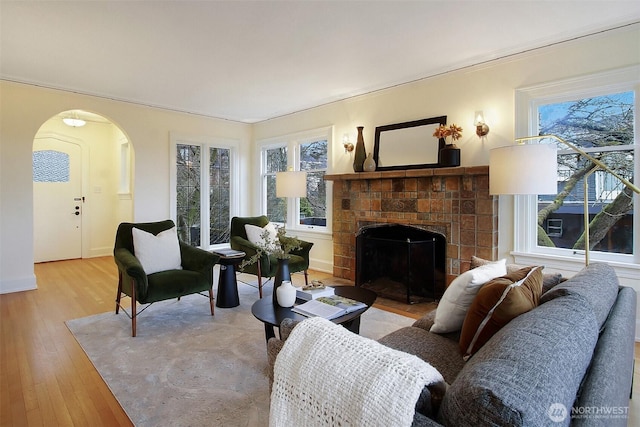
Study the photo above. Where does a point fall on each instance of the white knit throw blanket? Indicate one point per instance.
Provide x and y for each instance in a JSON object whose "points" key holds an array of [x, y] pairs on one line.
{"points": [[327, 376]]}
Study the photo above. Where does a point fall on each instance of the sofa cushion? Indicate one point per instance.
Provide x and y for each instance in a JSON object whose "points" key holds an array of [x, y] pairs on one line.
{"points": [[608, 382], [460, 293], [549, 280], [597, 283], [536, 361], [497, 303]]}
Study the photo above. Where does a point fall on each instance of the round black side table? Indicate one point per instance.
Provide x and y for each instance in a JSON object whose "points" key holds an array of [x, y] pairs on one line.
{"points": [[227, 284]]}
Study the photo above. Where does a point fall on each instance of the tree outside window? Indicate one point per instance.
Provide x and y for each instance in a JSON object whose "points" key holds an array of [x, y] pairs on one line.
{"points": [[603, 126], [313, 160], [305, 151], [188, 193], [203, 194], [219, 195], [274, 160]]}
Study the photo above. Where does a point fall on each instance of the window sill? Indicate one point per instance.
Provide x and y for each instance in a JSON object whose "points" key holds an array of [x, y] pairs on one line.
{"points": [[628, 274], [315, 233]]}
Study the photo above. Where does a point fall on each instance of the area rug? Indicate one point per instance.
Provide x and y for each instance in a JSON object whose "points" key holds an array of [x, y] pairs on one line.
{"points": [[187, 368]]}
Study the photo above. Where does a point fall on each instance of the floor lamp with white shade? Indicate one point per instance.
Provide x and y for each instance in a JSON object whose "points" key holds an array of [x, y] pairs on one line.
{"points": [[532, 169]]}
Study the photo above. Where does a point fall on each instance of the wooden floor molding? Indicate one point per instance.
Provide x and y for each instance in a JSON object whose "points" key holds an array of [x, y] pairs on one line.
{"points": [[45, 377]]}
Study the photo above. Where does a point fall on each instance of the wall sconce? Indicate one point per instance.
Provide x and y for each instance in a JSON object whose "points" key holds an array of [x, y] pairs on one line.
{"points": [[346, 143], [481, 127]]}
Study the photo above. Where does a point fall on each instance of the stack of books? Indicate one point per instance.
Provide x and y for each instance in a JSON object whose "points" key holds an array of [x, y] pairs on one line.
{"points": [[312, 292], [228, 253], [329, 307]]}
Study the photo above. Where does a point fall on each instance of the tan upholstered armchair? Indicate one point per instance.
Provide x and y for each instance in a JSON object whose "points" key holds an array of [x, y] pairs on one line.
{"points": [[267, 264], [196, 275]]}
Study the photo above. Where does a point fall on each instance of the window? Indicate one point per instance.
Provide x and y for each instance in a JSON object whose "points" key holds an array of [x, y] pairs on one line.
{"points": [[313, 160], [554, 227], [203, 195], [219, 195], [125, 167], [597, 114], [188, 184], [274, 159], [308, 151], [50, 166]]}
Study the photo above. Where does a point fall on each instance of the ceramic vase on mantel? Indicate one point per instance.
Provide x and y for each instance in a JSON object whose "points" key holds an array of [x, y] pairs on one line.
{"points": [[369, 164], [361, 154], [449, 156], [282, 274]]}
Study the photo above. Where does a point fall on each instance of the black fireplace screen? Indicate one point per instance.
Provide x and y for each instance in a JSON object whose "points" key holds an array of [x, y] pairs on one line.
{"points": [[401, 262]]}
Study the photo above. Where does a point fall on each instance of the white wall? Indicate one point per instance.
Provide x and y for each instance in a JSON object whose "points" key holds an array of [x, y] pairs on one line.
{"points": [[489, 87], [23, 110]]}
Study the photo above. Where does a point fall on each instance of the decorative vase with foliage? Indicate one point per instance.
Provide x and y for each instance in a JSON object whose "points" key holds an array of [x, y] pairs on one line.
{"points": [[450, 154], [279, 247], [361, 154]]}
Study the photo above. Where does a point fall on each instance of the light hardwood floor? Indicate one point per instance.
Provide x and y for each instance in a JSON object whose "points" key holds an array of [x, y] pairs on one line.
{"points": [[45, 377]]}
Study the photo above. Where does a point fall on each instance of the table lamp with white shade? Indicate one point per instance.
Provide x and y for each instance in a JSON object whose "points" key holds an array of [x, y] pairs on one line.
{"points": [[291, 184]]}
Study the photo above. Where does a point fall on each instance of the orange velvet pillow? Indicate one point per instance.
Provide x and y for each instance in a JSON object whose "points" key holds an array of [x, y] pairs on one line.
{"points": [[497, 302]]}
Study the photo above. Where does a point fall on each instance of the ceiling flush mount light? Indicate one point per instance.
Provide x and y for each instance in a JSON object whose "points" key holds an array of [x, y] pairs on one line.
{"points": [[346, 143], [481, 127], [74, 121]]}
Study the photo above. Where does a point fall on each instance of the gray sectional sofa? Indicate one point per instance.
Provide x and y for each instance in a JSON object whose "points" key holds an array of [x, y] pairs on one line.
{"points": [[569, 361]]}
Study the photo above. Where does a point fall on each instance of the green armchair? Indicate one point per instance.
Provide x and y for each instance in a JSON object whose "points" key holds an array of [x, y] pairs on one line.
{"points": [[268, 264], [196, 275]]}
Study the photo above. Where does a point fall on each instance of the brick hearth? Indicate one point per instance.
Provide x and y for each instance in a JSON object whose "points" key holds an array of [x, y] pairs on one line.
{"points": [[451, 201]]}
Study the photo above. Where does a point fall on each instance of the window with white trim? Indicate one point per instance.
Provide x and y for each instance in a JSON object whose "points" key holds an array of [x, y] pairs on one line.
{"points": [[203, 189], [309, 152], [274, 159], [596, 113]]}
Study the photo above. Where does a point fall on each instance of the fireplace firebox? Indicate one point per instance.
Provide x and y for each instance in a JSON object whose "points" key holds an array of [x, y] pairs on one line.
{"points": [[401, 262]]}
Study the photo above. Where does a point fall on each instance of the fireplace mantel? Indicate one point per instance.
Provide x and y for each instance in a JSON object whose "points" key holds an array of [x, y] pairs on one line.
{"points": [[409, 173], [455, 200]]}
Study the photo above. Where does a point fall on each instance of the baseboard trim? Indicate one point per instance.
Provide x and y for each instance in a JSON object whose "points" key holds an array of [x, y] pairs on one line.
{"points": [[18, 285], [99, 252], [320, 265]]}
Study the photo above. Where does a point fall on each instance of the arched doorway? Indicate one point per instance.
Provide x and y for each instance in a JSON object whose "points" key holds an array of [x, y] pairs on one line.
{"points": [[82, 186]]}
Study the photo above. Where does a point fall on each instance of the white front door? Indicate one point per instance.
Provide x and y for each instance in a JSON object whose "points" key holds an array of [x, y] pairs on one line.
{"points": [[57, 200]]}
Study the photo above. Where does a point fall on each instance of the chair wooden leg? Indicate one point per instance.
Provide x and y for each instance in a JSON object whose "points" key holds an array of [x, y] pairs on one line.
{"points": [[306, 278], [259, 280], [211, 300], [134, 312], [119, 292]]}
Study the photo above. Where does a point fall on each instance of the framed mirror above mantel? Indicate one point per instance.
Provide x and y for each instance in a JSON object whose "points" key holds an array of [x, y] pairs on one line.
{"points": [[408, 145]]}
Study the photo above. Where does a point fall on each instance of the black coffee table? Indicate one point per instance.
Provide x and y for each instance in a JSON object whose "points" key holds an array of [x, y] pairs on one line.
{"points": [[272, 316]]}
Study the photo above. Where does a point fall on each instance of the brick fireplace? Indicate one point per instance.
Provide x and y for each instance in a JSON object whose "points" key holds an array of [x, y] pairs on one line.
{"points": [[452, 201]]}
